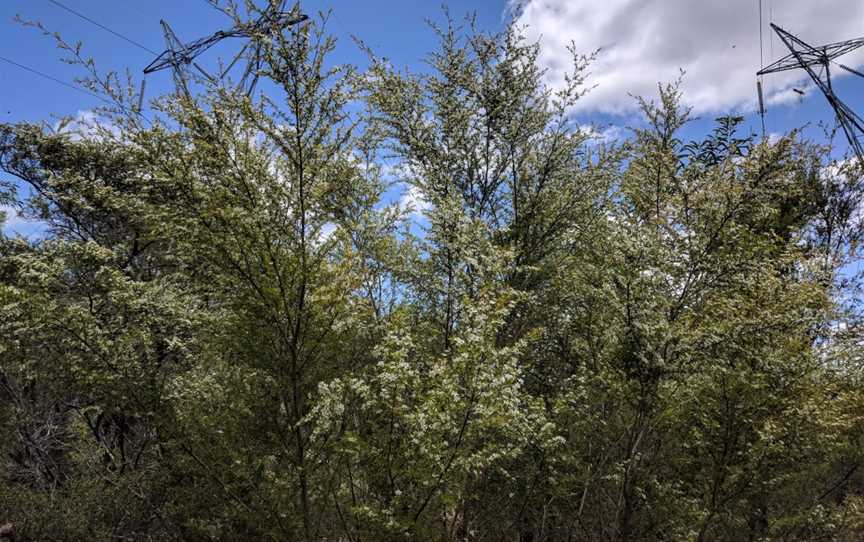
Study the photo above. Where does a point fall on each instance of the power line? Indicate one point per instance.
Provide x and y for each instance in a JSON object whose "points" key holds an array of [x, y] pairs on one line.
{"points": [[815, 61], [761, 41], [103, 27], [759, 91], [73, 87], [50, 78]]}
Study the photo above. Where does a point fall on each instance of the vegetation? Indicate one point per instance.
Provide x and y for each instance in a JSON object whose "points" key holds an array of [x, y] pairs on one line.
{"points": [[231, 330]]}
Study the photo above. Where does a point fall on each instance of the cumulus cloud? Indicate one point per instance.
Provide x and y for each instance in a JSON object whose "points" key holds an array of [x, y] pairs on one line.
{"points": [[86, 124], [643, 42], [413, 202], [10, 215], [326, 232], [605, 134], [13, 224]]}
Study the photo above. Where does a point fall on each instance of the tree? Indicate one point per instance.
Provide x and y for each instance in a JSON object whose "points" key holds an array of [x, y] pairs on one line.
{"points": [[230, 331]]}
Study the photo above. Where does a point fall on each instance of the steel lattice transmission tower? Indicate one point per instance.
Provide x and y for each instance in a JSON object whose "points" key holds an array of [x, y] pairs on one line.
{"points": [[816, 62], [178, 55]]}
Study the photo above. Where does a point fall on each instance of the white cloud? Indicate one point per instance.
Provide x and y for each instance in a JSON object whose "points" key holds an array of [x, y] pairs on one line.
{"points": [[413, 202], [326, 232], [605, 134], [716, 42], [86, 125], [12, 218], [15, 224]]}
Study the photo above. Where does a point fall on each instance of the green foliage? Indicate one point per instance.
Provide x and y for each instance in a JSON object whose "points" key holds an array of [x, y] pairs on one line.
{"points": [[230, 333]]}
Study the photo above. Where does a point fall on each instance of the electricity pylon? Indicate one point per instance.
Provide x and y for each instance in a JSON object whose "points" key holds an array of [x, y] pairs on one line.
{"points": [[816, 62], [178, 56]]}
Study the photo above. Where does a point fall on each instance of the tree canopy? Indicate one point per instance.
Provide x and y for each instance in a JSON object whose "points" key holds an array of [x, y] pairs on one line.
{"points": [[231, 330]]}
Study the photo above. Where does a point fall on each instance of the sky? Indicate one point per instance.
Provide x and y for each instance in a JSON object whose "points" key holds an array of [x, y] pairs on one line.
{"points": [[639, 43]]}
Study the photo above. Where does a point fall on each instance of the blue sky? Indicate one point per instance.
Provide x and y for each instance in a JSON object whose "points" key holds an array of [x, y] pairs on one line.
{"points": [[394, 28], [641, 41]]}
